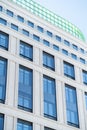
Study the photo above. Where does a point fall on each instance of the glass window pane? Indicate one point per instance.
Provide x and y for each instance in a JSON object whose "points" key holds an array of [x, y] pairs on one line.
{"points": [[71, 106], [4, 40], [23, 125], [1, 122], [25, 89], [48, 61], [49, 97], [69, 70], [3, 77], [26, 50]]}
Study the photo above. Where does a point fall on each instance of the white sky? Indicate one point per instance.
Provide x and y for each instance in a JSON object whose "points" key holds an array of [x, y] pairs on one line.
{"points": [[75, 11]]}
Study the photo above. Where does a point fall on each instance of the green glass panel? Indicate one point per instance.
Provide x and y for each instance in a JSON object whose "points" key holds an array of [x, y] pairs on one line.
{"points": [[49, 16]]}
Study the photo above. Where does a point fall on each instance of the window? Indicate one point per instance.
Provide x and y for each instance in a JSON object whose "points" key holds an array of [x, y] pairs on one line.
{"points": [[35, 37], [71, 106], [25, 89], [82, 60], [13, 26], [48, 61], [74, 56], [49, 33], [86, 99], [49, 97], [25, 32], [55, 47], [82, 50], [30, 24], [3, 21], [10, 13], [1, 8], [24, 125], [3, 78], [74, 47], [26, 50], [46, 128], [4, 40], [65, 52], [21, 19], [66, 43], [46, 42], [1, 122], [58, 38], [40, 29], [84, 77], [69, 70]]}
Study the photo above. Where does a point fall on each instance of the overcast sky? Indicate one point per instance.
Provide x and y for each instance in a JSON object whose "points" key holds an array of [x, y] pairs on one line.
{"points": [[75, 11]]}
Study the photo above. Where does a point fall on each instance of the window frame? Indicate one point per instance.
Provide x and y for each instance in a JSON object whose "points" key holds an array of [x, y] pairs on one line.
{"points": [[72, 76], [30, 47], [6, 47], [52, 67]]}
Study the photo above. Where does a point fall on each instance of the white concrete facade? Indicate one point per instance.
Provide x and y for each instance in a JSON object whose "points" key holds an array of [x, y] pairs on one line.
{"points": [[10, 109]]}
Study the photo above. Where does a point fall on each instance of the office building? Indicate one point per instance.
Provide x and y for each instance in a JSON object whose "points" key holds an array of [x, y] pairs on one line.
{"points": [[43, 69]]}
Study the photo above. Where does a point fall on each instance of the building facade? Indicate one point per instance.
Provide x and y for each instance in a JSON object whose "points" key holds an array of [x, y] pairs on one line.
{"points": [[43, 69]]}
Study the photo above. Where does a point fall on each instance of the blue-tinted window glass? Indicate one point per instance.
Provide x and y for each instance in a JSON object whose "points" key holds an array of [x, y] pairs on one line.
{"points": [[66, 43], [40, 28], [3, 21], [26, 50], [49, 33], [35, 37], [25, 32], [47, 43], [23, 125], [49, 97], [82, 50], [71, 106], [48, 61], [84, 77], [75, 47], [30, 24], [58, 38], [46, 128], [82, 60], [25, 89], [21, 19], [74, 56], [69, 70], [86, 100], [55, 47], [1, 8], [10, 13], [3, 77], [4, 40], [15, 27], [1, 122], [65, 52]]}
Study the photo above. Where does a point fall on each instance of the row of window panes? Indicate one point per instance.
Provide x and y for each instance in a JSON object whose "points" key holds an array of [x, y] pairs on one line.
{"points": [[25, 92], [4, 41], [39, 28], [21, 124]]}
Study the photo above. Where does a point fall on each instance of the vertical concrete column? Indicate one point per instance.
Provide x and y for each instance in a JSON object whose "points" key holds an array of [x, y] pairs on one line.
{"points": [[81, 111], [36, 55], [36, 93], [78, 75], [59, 97], [9, 121], [58, 66], [36, 126], [13, 45], [10, 83]]}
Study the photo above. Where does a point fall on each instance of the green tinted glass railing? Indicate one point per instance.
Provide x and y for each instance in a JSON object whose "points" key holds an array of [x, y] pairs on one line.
{"points": [[51, 17]]}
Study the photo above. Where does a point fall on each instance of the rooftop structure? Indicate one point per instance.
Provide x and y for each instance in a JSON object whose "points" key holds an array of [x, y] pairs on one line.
{"points": [[51, 17]]}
